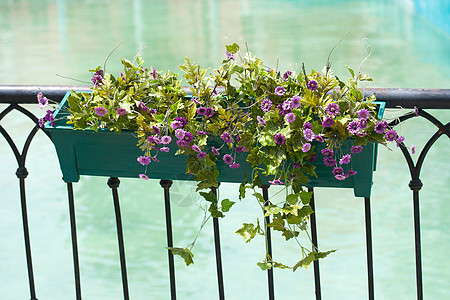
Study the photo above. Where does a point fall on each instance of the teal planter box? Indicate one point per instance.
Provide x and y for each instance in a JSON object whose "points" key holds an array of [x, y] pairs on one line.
{"points": [[106, 153]]}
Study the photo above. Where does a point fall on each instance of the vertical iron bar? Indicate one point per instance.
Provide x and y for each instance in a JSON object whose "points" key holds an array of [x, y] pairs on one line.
{"points": [[113, 183], [368, 219], [270, 285], [218, 253], [166, 184], [314, 240], [73, 230], [22, 173], [417, 243]]}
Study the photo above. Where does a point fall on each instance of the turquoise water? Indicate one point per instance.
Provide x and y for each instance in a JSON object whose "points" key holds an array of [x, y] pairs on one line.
{"points": [[40, 39]]}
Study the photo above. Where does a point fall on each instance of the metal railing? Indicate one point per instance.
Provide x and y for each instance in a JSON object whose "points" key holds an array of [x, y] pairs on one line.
{"points": [[16, 96]]}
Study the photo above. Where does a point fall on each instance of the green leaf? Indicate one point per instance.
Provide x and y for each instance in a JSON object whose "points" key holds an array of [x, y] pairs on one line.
{"points": [[264, 265], [305, 197], [288, 234], [226, 205], [210, 196], [305, 262], [272, 210], [232, 48], [351, 71], [248, 231], [305, 211], [185, 253], [277, 224], [242, 188], [292, 198]]}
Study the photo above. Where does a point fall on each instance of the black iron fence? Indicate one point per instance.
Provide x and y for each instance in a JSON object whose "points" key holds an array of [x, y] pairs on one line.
{"points": [[16, 98]]}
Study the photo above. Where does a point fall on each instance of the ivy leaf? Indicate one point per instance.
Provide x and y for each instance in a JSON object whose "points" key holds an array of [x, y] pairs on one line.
{"points": [[305, 211], [264, 265], [305, 197], [277, 224], [185, 253], [280, 265], [226, 205], [272, 210], [305, 262], [288, 234], [210, 196], [232, 48], [242, 188], [292, 198], [248, 231]]}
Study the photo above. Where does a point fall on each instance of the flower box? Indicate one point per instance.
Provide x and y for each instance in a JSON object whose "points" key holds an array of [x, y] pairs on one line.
{"points": [[106, 153]]}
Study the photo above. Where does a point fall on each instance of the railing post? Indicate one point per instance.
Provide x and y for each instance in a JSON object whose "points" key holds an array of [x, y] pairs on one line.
{"points": [[218, 253], [73, 231], [315, 244], [368, 220], [166, 184], [113, 183], [415, 185], [22, 173], [270, 285]]}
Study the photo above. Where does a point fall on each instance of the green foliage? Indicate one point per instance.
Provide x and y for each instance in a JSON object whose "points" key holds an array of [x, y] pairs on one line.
{"points": [[277, 120]]}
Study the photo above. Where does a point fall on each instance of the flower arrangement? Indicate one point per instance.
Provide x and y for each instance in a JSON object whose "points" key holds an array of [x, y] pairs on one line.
{"points": [[276, 119]]}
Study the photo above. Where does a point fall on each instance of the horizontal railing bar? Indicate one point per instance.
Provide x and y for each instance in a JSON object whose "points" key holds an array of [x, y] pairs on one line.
{"points": [[394, 97]]}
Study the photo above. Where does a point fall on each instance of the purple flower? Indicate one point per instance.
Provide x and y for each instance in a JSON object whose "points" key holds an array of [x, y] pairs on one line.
{"points": [[341, 177], [228, 159], [165, 149], [201, 111], [179, 133], [261, 121], [266, 105], [328, 122], [240, 149], [362, 123], [202, 132], [286, 75], [166, 140], [229, 55], [175, 125], [152, 111], [327, 152], [100, 111], [284, 108], [363, 114], [290, 117], [279, 139], [308, 134], [353, 127], [400, 140], [143, 176], [338, 171], [226, 137], [297, 165], [356, 149], [312, 85], [41, 122], [42, 101], [154, 158], [188, 137], [155, 129], [214, 151], [196, 148], [280, 91], [121, 111], [332, 109], [391, 135], [201, 155], [295, 102], [345, 159], [351, 172], [182, 143], [142, 106], [235, 166], [275, 182], [307, 125], [154, 139], [209, 112], [144, 160], [306, 147], [313, 158], [329, 161], [413, 149], [318, 138], [154, 74], [416, 111], [182, 121], [97, 78]]}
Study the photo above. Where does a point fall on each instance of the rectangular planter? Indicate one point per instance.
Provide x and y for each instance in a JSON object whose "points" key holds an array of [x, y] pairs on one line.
{"points": [[106, 153]]}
